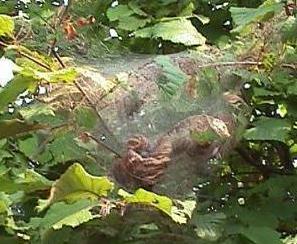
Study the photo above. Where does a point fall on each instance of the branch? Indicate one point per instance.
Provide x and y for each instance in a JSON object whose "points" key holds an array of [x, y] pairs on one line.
{"points": [[45, 66], [244, 63], [103, 145]]}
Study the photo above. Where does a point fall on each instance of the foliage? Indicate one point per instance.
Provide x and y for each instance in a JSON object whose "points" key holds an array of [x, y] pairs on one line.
{"points": [[54, 180]]}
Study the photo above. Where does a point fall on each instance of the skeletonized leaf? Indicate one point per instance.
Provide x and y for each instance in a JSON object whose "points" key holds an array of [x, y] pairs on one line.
{"points": [[209, 226]]}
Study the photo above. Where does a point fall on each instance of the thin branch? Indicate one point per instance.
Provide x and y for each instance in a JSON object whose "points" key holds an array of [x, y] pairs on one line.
{"points": [[28, 57], [103, 145], [56, 55], [90, 101], [243, 63], [230, 63]]}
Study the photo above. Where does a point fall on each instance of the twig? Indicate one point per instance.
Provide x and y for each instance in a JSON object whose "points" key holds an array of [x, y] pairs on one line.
{"points": [[230, 63], [56, 55], [243, 63], [28, 57], [103, 145]]}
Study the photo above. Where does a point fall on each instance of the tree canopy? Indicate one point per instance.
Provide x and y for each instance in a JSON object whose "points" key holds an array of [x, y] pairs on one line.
{"points": [[131, 121]]}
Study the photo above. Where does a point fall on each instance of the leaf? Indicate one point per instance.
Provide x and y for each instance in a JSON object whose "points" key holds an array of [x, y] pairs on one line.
{"points": [[255, 217], [5, 154], [16, 127], [245, 16], [132, 23], [177, 31], [183, 211], [209, 226], [85, 117], [126, 17], [136, 9], [27, 181], [64, 147], [204, 137], [67, 75], [61, 214], [5, 202], [289, 29], [76, 183], [42, 114], [142, 196], [10, 92], [36, 111], [262, 92], [118, 12], [172, 77], [290, 240], [261, 235], [6, 214], [269, 129], [207, 83], [6, 25], [29, 146]]}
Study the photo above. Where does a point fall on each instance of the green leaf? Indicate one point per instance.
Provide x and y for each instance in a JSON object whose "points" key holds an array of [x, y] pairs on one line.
{"points": [[76, 184], [136, 9], [6, 214], [118, 12], [6, 25], [29, 146], [142, 196], [205, 137], [64, 147], [208, 83], [262, 92], [36, 111], [10, 92], [16, 127], [132, 23], [172, 77], [289, 29], [5, 202], [61, 214], [67, 75], [261, 235], [127, 17], [27, 181], [42, 114], [269, 129], [255, 217], [86, 117], [5, 154], [177, 31], [245, 16]]}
